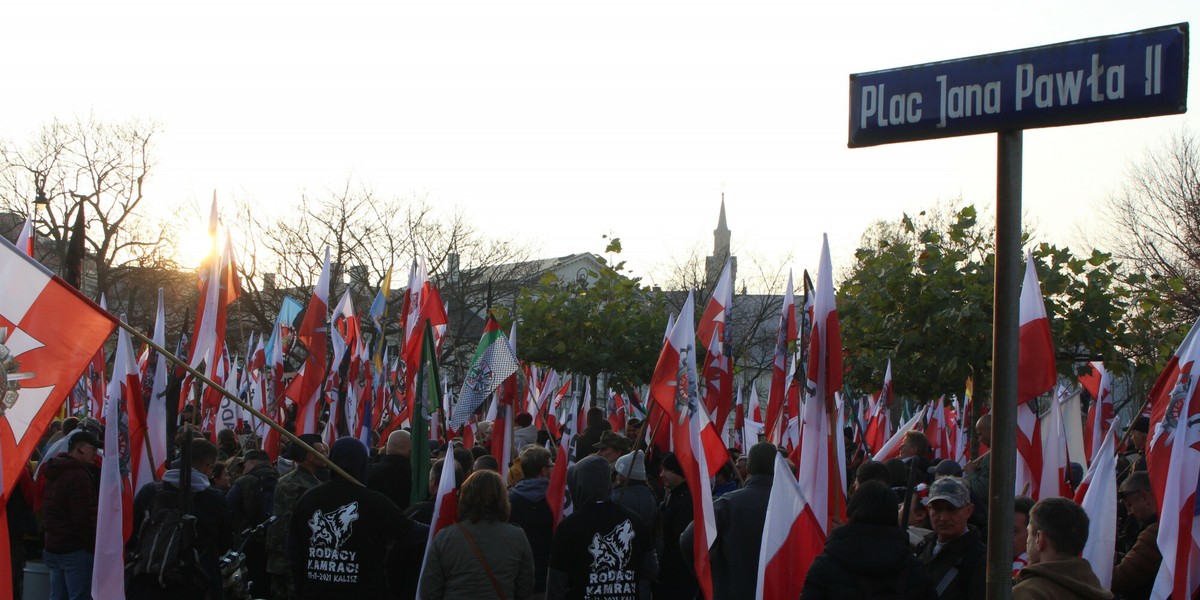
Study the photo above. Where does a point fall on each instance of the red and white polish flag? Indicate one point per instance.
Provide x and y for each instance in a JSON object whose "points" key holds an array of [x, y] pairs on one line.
{"points": [[818, 464], [879, 422], [313, 332], [776, 395], [891, 448], [1100, 413], [1036, 376], [25, 238], [156, 405], [791, 538], [108, 561], [125, 447]]}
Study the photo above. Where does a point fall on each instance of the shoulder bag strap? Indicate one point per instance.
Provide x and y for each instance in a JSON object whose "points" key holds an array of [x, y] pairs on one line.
{"points": [[486, 569]]}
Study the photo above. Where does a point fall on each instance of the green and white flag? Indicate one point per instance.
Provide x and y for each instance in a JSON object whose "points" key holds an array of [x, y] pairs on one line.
{"points": [[494, 362]]}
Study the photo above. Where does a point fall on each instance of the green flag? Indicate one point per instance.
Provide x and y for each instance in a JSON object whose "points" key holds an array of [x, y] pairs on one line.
{"points": [[492, 364], [428, 399]]}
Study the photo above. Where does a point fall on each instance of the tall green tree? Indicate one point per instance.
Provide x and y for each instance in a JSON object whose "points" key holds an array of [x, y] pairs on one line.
{"points": [[921, 294], [607, 324]]}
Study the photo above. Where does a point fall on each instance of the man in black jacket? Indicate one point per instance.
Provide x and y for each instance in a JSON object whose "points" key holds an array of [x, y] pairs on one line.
{"points": [[953, 554], [740, 516], [339, 529], [676, 579], [392, 475], [214, 533]]}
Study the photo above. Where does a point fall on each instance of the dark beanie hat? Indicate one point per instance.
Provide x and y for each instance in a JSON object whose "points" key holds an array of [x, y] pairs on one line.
{"points": [[670, 463], [297, 452], [351, 455], [762, 459], [1141, 424]]}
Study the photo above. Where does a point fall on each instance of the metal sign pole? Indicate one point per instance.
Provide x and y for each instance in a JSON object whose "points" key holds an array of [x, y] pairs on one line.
{"points": [[1005, 357]]}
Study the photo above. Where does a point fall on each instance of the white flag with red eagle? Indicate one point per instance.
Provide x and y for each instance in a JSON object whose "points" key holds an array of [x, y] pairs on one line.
{"points": [[675, 389], [715, 332], [48, 334], [1176, 445]]}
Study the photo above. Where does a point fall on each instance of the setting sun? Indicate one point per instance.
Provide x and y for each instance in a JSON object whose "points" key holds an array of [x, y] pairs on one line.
{"points": [[192, 247]]}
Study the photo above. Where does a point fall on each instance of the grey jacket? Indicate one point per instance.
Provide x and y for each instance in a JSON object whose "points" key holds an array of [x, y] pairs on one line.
{"points": [[453, 570], [638, 498]]}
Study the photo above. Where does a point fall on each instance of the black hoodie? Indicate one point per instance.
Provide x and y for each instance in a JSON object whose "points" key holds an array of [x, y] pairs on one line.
{"points": [[339, 532], [862, 560], [601, 551]]}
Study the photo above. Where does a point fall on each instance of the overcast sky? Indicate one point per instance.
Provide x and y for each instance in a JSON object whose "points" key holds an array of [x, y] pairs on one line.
{"points": [[563, 121]]}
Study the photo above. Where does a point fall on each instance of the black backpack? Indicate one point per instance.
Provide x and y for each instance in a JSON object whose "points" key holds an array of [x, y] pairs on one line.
{"points": [[166, 544]]}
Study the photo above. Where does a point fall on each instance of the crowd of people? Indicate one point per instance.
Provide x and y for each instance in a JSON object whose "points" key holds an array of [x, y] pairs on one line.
{"points": [[914, 528]]}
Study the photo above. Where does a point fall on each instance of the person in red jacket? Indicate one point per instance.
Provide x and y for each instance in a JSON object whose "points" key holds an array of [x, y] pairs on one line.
{"points": [[69, 517]]}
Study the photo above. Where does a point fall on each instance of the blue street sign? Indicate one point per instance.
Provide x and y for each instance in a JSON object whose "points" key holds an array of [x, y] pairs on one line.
{"points": [[1125, 76]]}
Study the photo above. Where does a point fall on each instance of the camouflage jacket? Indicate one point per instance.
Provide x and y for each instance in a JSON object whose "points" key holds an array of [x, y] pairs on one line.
{"points": [[287, 493]]}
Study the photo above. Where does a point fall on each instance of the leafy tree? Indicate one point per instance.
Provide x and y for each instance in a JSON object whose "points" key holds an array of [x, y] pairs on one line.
{"points": [[921, 294], [610, 325]]}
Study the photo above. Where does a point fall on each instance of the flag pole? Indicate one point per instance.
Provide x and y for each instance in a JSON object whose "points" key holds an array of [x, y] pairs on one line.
{"points": [[232, 398]]}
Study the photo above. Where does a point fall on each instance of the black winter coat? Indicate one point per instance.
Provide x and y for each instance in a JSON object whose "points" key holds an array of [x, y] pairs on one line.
{"points": [[676, 579], [863, 561], [963, 561], [392, 477]]}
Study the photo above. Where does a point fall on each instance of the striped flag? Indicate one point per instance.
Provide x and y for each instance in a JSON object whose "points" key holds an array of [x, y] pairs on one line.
{"points": [[1036, 376]]}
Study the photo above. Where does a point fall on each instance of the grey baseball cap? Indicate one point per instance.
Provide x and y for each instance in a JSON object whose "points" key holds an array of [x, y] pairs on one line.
{"points": [[951, 489]]}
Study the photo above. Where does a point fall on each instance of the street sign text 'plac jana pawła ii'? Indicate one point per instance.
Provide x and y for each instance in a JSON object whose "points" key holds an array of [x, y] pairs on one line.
{"points": [[1124, 76]]}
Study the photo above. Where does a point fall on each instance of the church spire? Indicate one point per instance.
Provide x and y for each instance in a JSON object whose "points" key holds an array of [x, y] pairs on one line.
{"points": [[721, 234], [721, 250]]}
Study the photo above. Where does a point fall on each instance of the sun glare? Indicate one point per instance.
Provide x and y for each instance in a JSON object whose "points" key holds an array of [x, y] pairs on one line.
{"points": [[192, 248]]}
